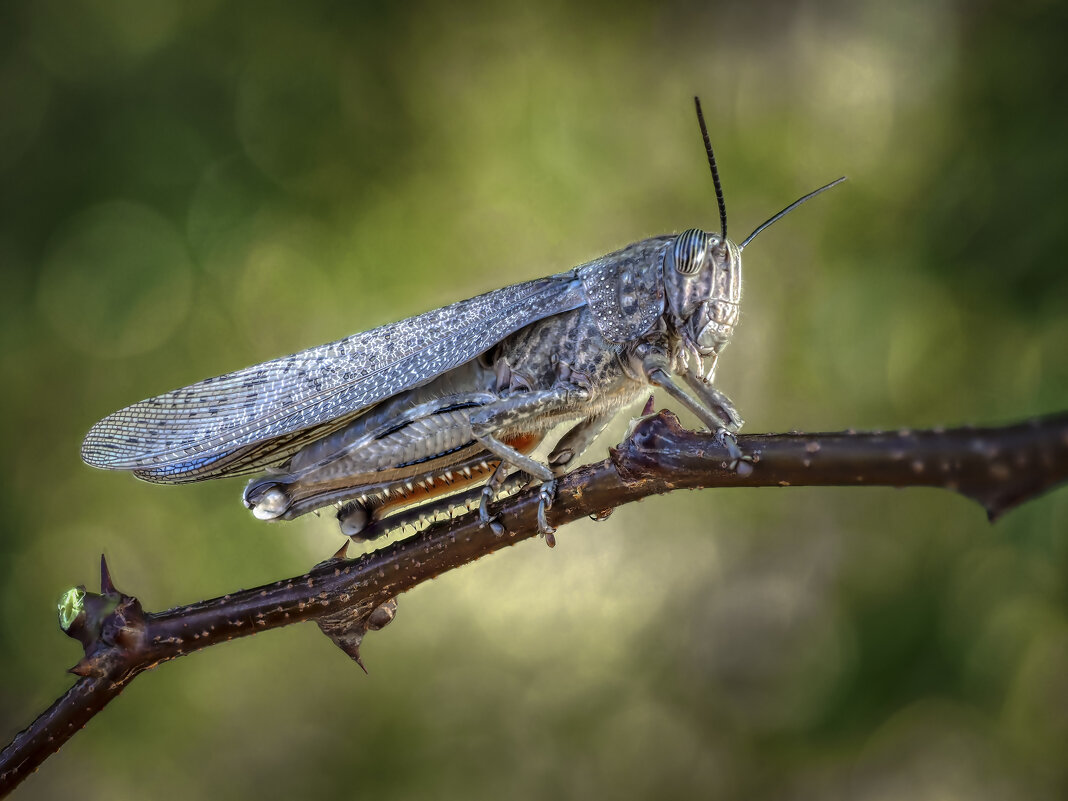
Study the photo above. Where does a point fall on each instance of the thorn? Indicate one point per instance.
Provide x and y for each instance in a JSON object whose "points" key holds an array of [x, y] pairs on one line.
{"points": [[107, 587], [484, 465], [349, 642], [342, 552], [649, 406], [466, 471], [422, 484], [409, 486], [362, 498], [429, 481], [84, 668], [448, 476]]}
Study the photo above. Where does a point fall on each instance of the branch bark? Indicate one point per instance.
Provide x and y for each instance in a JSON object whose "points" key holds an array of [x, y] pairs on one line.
{"points": [[998, 467]]}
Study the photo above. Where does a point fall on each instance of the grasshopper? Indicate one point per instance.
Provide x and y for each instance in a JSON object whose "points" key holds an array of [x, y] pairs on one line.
{"points": [[408, 420]]}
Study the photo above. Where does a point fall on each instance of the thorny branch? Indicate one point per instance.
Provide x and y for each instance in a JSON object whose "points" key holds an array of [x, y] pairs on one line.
{"points": [[997, 467]]}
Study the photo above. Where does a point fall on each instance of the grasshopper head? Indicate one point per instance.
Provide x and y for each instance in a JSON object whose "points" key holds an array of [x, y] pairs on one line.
{"points": [[703, 279], [703, 271]]}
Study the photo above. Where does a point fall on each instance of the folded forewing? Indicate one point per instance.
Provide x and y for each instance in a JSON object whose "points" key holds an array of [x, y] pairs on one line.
{"points": [[211, 418]]}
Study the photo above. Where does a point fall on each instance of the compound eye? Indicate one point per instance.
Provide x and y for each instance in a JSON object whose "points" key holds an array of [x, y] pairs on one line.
{"points": [[689, 251]]}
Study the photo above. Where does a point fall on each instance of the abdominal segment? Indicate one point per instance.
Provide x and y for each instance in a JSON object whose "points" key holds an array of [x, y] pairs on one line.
{"points": [[428, 495], [387, 461]]}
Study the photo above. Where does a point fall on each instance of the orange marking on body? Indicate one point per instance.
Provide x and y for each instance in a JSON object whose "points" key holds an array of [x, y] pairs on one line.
{"points": [[524, 443]]}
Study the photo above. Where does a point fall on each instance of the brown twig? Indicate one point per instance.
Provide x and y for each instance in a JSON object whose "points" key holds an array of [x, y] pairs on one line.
{"points": [[998, 467]]}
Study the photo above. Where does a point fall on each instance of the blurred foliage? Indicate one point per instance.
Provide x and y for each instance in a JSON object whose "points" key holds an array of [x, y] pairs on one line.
{"points": [[190, 188]]}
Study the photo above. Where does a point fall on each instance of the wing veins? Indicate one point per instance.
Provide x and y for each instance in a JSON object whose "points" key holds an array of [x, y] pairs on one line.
{"points": [[169, 432]]}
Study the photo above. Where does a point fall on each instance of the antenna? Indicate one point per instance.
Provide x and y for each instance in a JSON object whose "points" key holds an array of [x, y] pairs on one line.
{"points": [[715, 170], [787, 210]]}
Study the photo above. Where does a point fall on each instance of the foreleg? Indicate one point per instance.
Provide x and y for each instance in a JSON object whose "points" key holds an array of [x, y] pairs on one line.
{"points": [[711, 406]]}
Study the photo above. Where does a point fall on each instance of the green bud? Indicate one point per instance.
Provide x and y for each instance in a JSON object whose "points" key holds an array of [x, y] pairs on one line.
{"points": [[71, 605]]}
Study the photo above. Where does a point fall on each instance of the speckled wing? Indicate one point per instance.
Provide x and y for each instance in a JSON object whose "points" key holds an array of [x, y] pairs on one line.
{"points": [[195, 432]]}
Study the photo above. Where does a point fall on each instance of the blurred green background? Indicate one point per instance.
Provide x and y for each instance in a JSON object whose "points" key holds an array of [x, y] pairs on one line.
{"points": [[186, 189]]}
